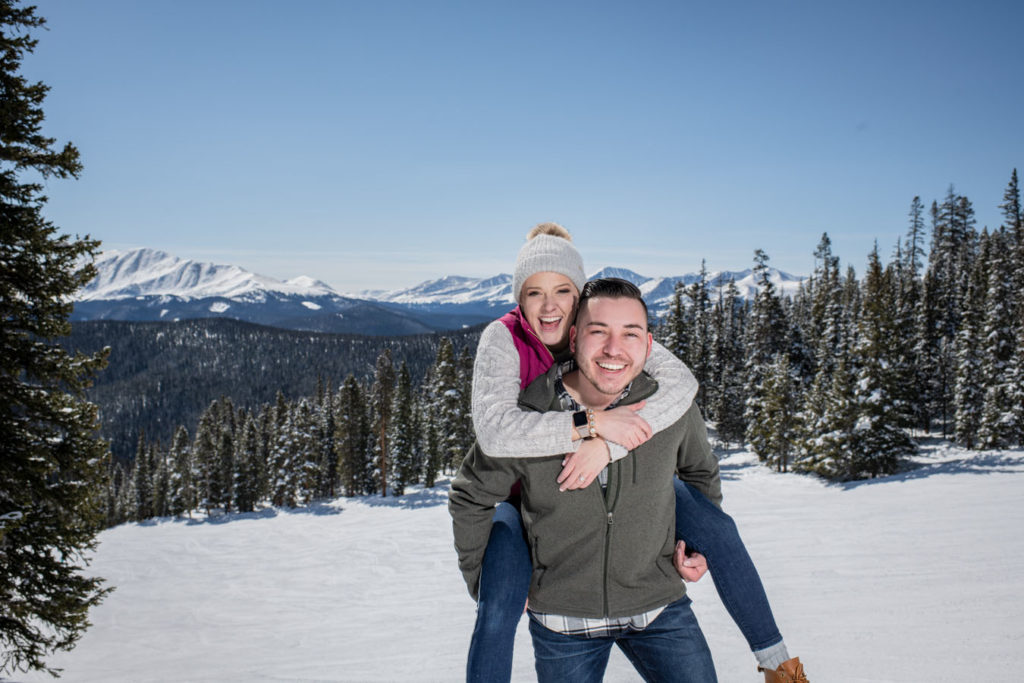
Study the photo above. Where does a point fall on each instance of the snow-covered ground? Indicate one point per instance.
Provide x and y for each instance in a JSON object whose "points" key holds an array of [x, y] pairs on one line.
{"points": [[913, 578]]}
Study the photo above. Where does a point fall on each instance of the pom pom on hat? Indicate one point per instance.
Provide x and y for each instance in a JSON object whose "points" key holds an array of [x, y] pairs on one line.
{"points": [[548, 248]]}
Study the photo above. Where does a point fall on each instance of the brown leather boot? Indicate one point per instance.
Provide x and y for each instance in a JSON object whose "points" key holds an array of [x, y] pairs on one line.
{"points": [[790, 671]]}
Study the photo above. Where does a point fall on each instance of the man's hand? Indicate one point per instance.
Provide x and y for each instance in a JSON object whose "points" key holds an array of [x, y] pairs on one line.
{"points": [[582, 467], [692, 567], [623, 426]]}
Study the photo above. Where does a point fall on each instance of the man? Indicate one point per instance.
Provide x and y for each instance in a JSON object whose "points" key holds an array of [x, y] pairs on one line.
{"points": [[602, 555]]}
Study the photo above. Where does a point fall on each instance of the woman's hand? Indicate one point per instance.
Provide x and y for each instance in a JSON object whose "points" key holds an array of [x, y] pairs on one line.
{"points": [[582, 467], [623, 426]]}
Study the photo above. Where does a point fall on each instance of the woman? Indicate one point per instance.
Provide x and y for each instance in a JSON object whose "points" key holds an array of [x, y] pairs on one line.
{"points": [[512, 352]]}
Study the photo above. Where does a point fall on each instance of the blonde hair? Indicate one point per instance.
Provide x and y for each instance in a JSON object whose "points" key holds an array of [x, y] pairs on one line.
{"points": [[553, 229]]}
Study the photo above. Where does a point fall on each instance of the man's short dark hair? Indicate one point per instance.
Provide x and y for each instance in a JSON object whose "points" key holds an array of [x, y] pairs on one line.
{"points": [[611, 288]]}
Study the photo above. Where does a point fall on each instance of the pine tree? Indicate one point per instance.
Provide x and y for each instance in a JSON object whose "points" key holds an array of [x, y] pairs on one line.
{"points": [[182, 486], [247, 468], [765, 339], [327, 452], [827, 444], [698, 357], [432, 456], [446, 406], [142, 474], [53, 465], [675, 331], [403, 434], [305, 452], [880, 439], [997, 341], [353, 438], [283, 456], [204, 450], [776, 432], [467, 434], [728, 401], [381, 398], [1015, 386]]}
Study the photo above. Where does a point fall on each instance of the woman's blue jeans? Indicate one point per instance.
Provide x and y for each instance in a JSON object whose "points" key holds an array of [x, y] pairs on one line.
{"points": [[505, 581]]}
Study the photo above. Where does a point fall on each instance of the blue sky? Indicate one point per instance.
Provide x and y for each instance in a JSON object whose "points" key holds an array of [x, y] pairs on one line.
{"points": [[377, 144]]}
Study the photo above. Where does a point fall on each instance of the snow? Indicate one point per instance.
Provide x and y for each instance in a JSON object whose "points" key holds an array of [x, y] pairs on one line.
{"points": [[219, 306], [312, 306], [910, 578]]}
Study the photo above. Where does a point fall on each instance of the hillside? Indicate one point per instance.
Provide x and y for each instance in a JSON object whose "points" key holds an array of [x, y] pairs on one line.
{"points": [[164, 374]]}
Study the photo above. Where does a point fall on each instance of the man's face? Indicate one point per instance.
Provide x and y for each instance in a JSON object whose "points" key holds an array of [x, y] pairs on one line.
{"points": [[610, 342]]}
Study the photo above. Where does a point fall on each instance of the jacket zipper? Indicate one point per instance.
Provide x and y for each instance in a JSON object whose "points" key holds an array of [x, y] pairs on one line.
{"points": [[614, 474]]}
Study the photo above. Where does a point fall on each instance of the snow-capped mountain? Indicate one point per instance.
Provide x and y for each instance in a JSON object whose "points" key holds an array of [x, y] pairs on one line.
{"points": [[494, 295], [150, 285], [146, 284], [148, 272]]}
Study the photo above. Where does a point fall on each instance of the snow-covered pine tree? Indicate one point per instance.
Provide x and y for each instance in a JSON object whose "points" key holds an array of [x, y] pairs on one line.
{"points": [[327, 457], [53, 465], [1013, 222], [907, 274], [827, 431], [765, 339], [821, 412], [283, 456], [404, 434], [223, 482], [142, 475], [161, 483], [467, 434], [353, 439], [446, 406], [246, 484], [880, 439], [1015, 384], [674, 333], [954, 242], [305, 451], [381, 403], [204, 450], [997, 339], [432, 458], [698, 358], [728, 402], [778, 427]]}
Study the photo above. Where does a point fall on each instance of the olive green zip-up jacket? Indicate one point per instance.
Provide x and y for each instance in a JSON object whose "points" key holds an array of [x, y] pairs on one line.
{"points": [[595, 553]]}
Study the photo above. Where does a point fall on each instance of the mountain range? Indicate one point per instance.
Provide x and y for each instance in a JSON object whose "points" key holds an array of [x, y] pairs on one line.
{"points": [[150, 285]]}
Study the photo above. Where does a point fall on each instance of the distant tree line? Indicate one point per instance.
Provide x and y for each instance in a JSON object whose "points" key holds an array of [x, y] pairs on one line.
{"points": [[839, 378], [376, 436], [165, 374]]}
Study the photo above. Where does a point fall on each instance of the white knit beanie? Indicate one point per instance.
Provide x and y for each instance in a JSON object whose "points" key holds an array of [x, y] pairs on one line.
{"points": [[544, 252]]}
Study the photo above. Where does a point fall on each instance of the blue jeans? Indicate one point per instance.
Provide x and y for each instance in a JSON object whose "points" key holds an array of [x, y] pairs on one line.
{"points": [[671, 649], [504, 585], [505, 581]]}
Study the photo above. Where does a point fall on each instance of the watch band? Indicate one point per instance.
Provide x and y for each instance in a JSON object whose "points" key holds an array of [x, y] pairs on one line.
{"points": [[583, 421]]}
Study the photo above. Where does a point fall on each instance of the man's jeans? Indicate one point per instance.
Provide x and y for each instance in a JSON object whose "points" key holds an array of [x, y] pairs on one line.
{"points": [[671, 649]]}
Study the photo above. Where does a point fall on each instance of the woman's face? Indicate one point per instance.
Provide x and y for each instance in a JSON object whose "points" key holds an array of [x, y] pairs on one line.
{"points": [[548, 301]]}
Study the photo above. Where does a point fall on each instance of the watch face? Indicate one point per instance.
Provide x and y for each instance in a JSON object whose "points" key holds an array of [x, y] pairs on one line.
{"points": [[579, 418]]}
